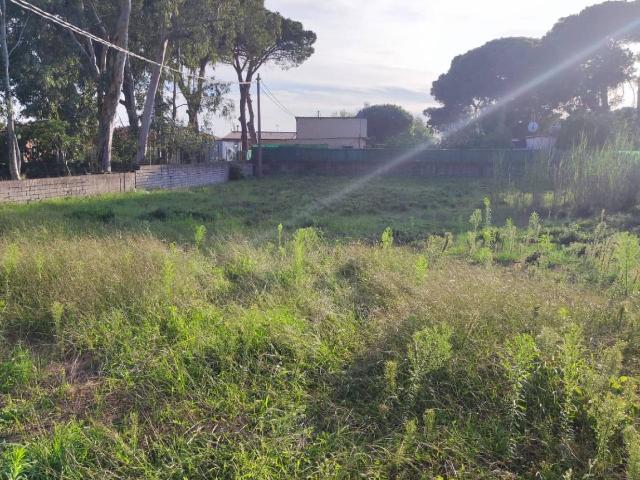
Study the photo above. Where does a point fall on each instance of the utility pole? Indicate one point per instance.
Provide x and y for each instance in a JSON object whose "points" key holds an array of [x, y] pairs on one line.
{"points": [[259, 163]]}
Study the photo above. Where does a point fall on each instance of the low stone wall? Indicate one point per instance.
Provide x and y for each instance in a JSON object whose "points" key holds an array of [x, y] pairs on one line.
{"points": [[86, 185], [151, 177]]}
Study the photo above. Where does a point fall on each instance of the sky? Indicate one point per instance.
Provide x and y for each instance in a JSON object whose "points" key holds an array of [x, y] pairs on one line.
{"points": [[387, 51]]}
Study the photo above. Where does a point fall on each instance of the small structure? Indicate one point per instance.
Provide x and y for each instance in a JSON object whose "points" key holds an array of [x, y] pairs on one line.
{"points": [[333, 132], [228, 147], [541, 142]]}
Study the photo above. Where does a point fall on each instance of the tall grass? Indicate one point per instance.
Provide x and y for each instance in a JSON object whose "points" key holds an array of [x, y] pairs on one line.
{"points": [[128, 357], [596, 178]]}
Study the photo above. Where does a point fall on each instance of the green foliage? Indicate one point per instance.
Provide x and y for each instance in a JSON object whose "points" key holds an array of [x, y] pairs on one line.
{"points": [[626, 255], [387, 239], [534, 227], [429, 351], [304, 241], [476, 219], [15, 464], [518, 362], [200, 235], [488, 213], [17, 371], [385, 122], [147, 358]]}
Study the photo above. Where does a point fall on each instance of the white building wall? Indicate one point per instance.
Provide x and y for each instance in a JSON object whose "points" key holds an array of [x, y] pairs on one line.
{"points": [[334, 132]]}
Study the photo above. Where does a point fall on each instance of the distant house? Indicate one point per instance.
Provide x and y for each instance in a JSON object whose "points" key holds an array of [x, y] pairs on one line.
{"points": [[333, 132], [229, 146], [541, 142]]}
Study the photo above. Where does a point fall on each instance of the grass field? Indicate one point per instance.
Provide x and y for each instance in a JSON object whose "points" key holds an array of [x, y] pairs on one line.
{"points": [[244, 332], [412, 207]]}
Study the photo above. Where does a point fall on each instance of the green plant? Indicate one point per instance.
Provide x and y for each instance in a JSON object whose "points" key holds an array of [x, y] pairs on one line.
{"points": [[280, 238], [488, 213], [387, 239], [429, 351], [422, 267], [572, 368], [303, 240], [476, 219], [609, 413], [627, 258], [15, 463], [510, 235], [17, 371], [518, 363], [199, 235], [483, 256], [632, 442], [391, 377], [534, 227]]}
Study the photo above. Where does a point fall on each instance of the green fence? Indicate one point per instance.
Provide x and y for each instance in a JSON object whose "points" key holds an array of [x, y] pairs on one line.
{"points": [[431, 162]]}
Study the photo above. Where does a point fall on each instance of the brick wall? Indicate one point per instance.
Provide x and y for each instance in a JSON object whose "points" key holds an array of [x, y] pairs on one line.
{"points": [[181, 176], [147, 178], [43, 188]]}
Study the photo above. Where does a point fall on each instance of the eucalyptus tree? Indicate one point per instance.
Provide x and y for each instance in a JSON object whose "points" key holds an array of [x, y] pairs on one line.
{"points": [[186, 37], [260, 37], [206, 25], [12, 141], [109, 21]]}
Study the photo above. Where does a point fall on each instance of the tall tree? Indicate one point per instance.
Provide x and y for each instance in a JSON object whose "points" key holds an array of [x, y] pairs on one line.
{"points": [[596, 39], [12, 141], [110, 21], [385, 122], [206, 25], [260, 37], [164, 13], [482, 77], [607, 31]]}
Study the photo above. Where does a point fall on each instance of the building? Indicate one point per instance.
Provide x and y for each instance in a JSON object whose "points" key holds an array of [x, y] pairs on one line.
{"points": [[332, 132], [541, 142], [229, 146]]}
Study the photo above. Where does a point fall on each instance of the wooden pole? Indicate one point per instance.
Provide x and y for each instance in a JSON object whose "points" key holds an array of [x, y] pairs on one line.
{"points": [[259, 165]]}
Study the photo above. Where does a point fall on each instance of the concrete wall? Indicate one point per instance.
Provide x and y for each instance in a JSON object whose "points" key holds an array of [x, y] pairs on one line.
{"points": [[181, 176], [147, 178], [333, 132], [43, 188]]}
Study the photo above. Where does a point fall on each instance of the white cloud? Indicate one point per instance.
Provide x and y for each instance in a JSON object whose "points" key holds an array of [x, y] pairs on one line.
{"points": [[391, 50]]}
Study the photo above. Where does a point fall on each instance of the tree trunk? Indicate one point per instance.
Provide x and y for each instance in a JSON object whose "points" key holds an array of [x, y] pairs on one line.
{"points": [[252, 118], [638, 103], [113, 77], [149, 104], [243, 120], [12, 142], [194, 123], [128, 87]]}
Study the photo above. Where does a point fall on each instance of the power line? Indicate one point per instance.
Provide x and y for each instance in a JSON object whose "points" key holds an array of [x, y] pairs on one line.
{"points": [[69, 26], [278, 103]]}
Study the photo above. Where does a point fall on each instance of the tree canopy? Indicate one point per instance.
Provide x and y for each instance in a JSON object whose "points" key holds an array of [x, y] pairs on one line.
{"points": [[69, 82], [385, 122], [259, 37], [576, 67]]}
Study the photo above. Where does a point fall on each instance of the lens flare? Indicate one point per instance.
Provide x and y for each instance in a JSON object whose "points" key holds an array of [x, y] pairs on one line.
{"points": [[517, 93]]}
